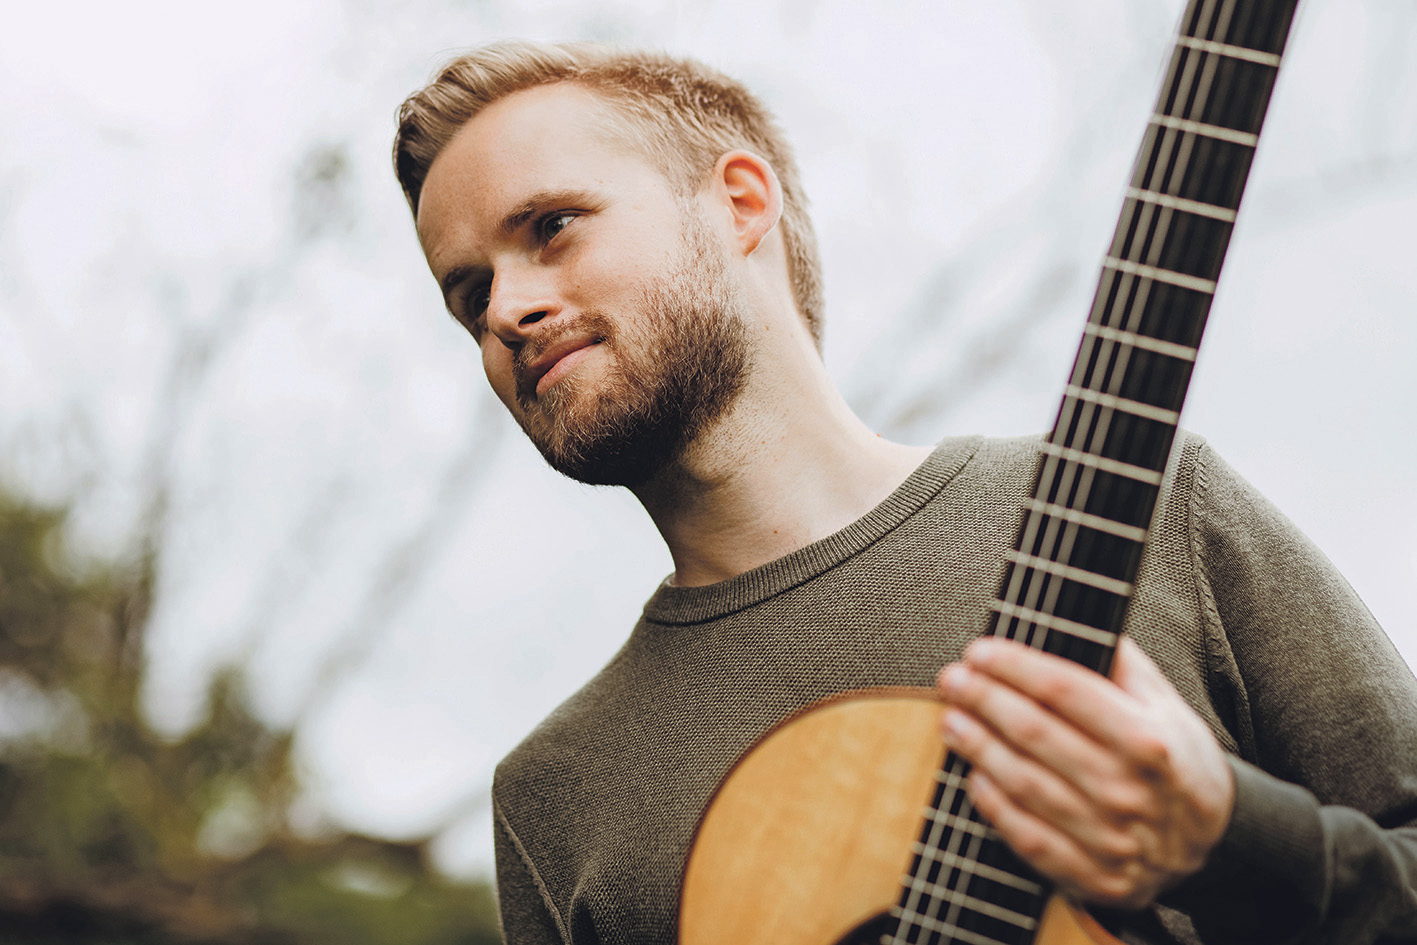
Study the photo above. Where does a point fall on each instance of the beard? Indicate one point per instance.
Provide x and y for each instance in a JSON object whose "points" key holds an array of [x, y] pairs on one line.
{"points": [[671, 373]]}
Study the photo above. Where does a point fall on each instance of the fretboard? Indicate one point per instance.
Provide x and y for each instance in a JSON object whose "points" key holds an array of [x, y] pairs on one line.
{"points": [[1070, 576]]}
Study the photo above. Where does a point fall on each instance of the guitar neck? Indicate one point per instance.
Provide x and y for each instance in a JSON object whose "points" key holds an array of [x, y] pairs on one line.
{"points": [[1070, 575]]}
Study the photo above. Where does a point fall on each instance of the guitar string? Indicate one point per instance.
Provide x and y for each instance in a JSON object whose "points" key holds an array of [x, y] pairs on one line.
{"points": [[1049, 473], [1149, 237], [1113, 364], [952, 782], [1093, 417], [1094, 421], [1141, 240]]}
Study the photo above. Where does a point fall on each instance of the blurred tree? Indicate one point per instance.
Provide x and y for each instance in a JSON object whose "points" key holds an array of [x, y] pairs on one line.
{"points": [[110, 833]]}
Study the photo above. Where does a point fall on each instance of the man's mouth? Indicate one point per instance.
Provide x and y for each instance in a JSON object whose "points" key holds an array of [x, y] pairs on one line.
{"points": [[553, 363]]}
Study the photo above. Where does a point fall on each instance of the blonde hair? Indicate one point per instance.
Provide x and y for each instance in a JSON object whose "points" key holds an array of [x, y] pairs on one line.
{"points": [[682, 114]]}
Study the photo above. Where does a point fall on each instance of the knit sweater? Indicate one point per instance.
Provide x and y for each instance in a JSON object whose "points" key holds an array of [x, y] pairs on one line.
{"points": [[595, 811]]}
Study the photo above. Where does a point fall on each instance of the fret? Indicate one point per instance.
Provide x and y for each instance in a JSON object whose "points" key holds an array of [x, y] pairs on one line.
{"points": [[1261, 26], [974, 903], [974, 867], [1127, 470], [950, 779], [1112, 402], [960, 935], [1194, 283], [1079, 517], [956, 932], [1245, 138], [1145, 342], [1079, 546], [956, 822], [1225, 49], [1223, 214], [1068, 572], [1053, 622]]}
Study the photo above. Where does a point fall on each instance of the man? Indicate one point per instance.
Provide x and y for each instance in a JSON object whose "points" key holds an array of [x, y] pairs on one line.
{"points": [[625, 237]]}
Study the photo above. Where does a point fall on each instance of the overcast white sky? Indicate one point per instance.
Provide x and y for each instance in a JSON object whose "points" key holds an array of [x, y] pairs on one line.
{"points": [[354, 520]]}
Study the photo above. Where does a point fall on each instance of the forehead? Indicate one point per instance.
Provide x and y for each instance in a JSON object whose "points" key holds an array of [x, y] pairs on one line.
{"points": [[554, 137]]}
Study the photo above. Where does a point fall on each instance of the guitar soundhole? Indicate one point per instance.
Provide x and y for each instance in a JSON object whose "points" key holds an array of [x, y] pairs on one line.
{"points": [[870, 932]]}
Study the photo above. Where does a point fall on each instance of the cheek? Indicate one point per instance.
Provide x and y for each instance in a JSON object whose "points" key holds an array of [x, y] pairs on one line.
{"points": [[497, 365]]}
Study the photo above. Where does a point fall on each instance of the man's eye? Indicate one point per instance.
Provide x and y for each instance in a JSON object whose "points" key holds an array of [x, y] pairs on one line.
{"points": [[474, 310], [552, 224], [477, 301]]}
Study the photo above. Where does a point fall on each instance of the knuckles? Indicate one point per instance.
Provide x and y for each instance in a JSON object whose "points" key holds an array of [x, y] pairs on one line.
{"points": [[1150, 751]]}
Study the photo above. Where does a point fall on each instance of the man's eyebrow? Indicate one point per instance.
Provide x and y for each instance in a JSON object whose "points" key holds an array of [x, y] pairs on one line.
{"points": [[454, 276], [513, 221], [529, 207]]}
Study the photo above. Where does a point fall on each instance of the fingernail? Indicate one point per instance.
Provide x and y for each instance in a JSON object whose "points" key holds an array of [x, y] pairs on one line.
{"points": [[982, 650], [953, 679], [957, 726]]}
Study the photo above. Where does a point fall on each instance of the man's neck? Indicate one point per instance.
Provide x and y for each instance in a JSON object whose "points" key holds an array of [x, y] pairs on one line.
{"points": [[766, 482]]}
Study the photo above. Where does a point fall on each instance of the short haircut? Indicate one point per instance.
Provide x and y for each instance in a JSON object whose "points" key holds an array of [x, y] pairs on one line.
{"points": [[683, 116]]}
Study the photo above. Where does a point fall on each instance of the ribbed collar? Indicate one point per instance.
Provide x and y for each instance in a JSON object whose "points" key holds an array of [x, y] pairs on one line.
{"points": [[672, 605]]}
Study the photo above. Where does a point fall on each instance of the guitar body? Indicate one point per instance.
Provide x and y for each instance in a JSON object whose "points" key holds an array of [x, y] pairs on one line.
{"points": [[807, 839]]}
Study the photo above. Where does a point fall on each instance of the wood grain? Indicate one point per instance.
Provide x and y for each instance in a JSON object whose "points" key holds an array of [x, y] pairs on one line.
{"points": [[811, 831]]}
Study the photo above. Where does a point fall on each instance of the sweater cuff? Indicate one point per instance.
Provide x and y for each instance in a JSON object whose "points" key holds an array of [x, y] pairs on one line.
{"points": [[1264, 881]]}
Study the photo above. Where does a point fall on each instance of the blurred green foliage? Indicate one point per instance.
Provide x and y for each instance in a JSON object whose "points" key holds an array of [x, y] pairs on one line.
{"points": [[111, 834]]}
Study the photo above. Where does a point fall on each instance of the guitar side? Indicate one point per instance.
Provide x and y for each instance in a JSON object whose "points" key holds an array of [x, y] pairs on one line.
{"points": [[807, 838]]}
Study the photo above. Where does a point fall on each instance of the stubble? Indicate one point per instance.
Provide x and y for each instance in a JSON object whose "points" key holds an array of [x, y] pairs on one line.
{"points": [[671, 372]]}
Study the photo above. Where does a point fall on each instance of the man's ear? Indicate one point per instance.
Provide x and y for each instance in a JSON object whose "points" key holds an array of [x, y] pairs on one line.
{"points": [[747, 186]]}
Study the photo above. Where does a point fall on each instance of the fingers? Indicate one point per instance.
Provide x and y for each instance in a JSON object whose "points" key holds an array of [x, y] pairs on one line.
{"points": [[1075, 868], [1016, 727], [1108, 712], [1044, 817], [1113, 788]]}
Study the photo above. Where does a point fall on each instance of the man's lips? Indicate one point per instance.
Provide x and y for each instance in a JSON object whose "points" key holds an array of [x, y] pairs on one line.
{"points": [[556, 361]]}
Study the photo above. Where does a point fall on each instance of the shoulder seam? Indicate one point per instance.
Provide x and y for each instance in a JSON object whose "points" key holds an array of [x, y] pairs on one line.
{"points": [[1216, 638], [1209, 611], [546, 900]]}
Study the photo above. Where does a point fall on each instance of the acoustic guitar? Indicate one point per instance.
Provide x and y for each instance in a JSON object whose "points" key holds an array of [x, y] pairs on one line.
{"points": [[817, 836]]}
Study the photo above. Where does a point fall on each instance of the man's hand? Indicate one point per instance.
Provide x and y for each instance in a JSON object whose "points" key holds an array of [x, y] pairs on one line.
{"points": [[1112, 788]]}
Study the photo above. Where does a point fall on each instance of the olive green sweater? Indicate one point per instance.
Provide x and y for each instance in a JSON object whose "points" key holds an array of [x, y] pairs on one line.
{"points": [[595, 810]]}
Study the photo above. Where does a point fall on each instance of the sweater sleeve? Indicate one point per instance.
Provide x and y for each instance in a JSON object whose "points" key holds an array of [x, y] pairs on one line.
{"points": [[1322, 844], [528, 915]]}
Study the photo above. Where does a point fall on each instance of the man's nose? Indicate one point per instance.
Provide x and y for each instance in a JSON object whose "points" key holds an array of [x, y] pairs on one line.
{"points": [[518, 301]]}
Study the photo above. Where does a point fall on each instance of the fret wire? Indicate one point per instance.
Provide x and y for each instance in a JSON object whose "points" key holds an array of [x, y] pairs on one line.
{"points": [[966, 833], [1116, 468], [1246, 138], [1199, 96], [1113, 402], [943, 927], [1145, 342], [1195, 106], [1071, 573], [1195, 283], [1043, 595], [1152, 207], [949, 779], [974, 867], [936, 826], [1226, 49], [1192, 102], [1087, 519], [1054, 622], [972, 844], [1207, 10], [956, 822], [1209, 65], [982, 906], [1223, 214], [1029, 532]]}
